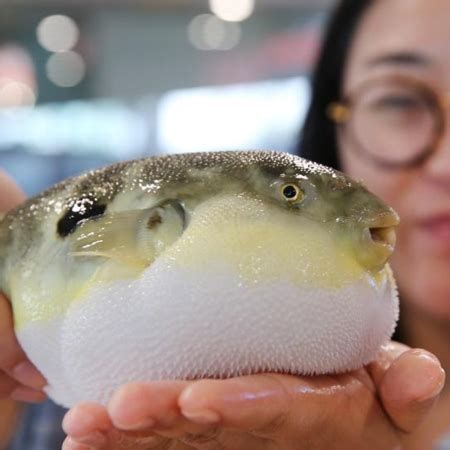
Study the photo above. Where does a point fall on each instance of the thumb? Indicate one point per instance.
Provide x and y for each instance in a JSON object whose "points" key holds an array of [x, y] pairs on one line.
{"points": [[409, 382], [10, 193]]}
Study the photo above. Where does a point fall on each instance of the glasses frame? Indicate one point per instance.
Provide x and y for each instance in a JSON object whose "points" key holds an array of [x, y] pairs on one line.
{"points": [[340, 112]]}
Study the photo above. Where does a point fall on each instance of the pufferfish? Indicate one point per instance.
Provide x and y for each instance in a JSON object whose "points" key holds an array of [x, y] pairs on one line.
{"points": [[198, 265]]}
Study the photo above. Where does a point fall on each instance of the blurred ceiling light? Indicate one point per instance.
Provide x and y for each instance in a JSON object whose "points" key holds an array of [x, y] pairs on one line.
{"points": [[249, 116], [207, 32], [66, 69], [57, 33], [232, 10], [15, 94]]}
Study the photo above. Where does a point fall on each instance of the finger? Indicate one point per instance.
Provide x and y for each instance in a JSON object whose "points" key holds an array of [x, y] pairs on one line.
{"points": [[410, 387], [262, 404], [88, 424], [408, 382], [10, 351], [12, 358], [386, 356], [143, 405], [141, 408], [10, 194], [71, 444], [7, 385], [28, 395]]}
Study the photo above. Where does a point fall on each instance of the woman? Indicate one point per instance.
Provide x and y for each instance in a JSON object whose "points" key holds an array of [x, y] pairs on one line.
{"points": [[372, 408], [384, 82]]}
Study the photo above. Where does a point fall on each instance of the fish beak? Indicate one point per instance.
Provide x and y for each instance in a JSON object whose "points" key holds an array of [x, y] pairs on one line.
{"points": [[377, 240]]}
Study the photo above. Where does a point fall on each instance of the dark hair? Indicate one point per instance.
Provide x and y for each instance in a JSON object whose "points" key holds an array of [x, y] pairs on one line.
{"points": [[318, 138]]}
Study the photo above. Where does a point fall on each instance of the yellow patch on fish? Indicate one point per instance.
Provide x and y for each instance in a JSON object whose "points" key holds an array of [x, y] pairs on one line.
{"points": [[257, 243]]}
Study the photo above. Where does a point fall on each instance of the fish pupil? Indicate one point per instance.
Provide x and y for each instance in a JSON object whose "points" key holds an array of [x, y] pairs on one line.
{"points": [[81, 210], [290, 192]]}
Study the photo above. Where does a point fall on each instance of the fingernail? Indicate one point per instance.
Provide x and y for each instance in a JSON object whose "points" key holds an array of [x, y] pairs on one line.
{"points": [[25, 373], [433, 380], [424, 355], [28, 395], [148, 423], [422, 375], [205, 417]]}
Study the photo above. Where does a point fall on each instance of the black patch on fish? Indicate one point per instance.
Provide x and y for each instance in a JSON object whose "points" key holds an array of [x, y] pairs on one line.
{"points": [[80, 211]]}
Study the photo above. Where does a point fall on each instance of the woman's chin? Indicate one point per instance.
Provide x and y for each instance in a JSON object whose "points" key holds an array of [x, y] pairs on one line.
{"points": [[432, 297], [423, 278]]}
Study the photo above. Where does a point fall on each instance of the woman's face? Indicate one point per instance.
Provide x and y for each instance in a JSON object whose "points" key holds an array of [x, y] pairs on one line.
{"points": [[408, 38]]}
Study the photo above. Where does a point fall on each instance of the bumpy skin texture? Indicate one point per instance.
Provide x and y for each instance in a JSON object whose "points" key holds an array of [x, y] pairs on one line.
{"points": [[196, 266]]}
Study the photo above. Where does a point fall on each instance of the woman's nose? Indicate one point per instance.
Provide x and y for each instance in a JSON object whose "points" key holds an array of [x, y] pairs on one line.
{"points": [[437, 166]]}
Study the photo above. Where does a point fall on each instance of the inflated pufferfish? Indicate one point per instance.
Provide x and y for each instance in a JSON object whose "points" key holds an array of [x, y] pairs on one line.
{"points": [[198, 265]]}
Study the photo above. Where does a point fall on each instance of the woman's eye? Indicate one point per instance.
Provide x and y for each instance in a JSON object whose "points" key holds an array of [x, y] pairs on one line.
{"points": [[398, 103], [292, 193]]}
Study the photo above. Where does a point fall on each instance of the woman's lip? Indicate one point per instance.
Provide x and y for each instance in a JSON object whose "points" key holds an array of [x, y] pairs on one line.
{"points": [[438, 226]]}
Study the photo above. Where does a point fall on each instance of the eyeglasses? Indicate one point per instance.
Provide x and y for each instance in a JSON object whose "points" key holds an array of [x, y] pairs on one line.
{"points": [[396, 121]]}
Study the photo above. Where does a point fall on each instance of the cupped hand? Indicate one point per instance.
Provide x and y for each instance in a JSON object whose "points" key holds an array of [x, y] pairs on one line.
{"points": [[373, 407], [19, 379]]}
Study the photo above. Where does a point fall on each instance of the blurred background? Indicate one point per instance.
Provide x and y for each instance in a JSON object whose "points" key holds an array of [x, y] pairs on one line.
{"points": [[87, 82]]}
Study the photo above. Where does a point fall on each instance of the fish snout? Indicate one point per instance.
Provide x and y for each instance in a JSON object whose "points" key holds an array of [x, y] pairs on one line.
{"points": [[376, 240]]}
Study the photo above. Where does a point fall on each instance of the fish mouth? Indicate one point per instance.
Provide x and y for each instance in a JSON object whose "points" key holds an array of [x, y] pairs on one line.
{"points": [[384, 236], [377, 241]]}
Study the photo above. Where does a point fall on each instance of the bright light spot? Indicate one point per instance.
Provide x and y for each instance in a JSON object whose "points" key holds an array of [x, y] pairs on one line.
{"points": [[214, 32], [207, 32], [250, 116], [15, 94], [232, 10], [195, 31], [102, 127], [58, 33], [66, 69]]}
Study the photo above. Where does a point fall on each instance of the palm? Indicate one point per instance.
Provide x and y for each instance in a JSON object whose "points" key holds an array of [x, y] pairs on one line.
{"points": [[267, 411]]}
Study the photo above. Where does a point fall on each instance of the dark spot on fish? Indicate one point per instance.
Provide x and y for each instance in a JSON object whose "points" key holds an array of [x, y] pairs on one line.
{"points": [[80, 211], [154, 220]]}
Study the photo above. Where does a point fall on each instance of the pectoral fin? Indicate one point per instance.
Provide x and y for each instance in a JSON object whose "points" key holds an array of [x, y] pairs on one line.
{"points": [[134, 238]]}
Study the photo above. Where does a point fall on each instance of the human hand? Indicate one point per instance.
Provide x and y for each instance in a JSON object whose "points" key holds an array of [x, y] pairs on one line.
{"points": [[19, 379], [373, 407]]}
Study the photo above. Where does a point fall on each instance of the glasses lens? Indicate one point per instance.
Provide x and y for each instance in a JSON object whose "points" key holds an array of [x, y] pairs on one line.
{"points": [[394, 123]]}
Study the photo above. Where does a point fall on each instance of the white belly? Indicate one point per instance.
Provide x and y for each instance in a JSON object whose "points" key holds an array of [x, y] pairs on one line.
{"points": [[176, 322]]}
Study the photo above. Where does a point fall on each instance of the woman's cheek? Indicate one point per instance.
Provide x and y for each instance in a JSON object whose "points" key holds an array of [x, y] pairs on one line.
{"points": [[388, 185], [422, 275]]}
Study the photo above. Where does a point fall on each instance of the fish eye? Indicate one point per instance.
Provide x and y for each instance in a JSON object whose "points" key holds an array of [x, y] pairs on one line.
{"points": [[292, 193]]}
